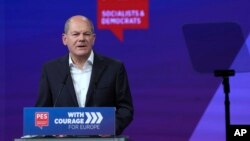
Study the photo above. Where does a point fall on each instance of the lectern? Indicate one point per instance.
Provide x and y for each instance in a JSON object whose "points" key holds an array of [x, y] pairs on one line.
{"points": [[117, 138], [69, 124]]}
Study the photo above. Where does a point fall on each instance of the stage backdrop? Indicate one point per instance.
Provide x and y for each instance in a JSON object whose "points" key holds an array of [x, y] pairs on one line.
{"points": [[173, 101]]}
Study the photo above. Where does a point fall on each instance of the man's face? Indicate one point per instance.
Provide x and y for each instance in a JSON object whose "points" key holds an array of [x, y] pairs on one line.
{"points": [[79, 38]]}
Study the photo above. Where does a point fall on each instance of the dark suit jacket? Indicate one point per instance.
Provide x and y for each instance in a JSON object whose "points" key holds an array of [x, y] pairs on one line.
{"points": [[108, 88]]}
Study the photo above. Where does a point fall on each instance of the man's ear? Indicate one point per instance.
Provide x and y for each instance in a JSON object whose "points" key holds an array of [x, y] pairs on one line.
{"points": [[64, 39], [94, 39]]}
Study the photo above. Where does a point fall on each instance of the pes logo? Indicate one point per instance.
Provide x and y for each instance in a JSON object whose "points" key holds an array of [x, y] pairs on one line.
{"points": [[41, 119]]}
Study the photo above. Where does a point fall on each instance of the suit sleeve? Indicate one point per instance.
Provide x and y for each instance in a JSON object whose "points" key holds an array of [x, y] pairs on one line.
{"points": [[124, 104], [44, 96]]}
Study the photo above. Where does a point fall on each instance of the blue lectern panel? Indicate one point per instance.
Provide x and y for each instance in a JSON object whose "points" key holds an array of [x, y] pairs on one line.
{"points": [[69, 121]]}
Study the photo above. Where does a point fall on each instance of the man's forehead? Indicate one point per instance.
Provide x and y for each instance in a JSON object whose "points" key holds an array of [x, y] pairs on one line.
{"points": [[79, 23], [79, 20], [78, 26], [79, 31]]}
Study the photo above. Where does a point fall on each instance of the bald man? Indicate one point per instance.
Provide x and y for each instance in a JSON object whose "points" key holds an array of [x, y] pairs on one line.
{"points": [[88, 79]]}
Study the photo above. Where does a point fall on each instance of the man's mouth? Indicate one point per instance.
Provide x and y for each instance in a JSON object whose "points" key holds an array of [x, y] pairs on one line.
{"points": [[81, 46]]}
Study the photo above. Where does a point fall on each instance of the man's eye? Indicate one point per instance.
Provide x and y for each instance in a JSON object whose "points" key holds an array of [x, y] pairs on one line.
{"points": [[87, 34]]}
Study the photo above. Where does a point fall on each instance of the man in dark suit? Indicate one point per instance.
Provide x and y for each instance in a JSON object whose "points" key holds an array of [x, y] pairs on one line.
{"points": [[85, 79]]}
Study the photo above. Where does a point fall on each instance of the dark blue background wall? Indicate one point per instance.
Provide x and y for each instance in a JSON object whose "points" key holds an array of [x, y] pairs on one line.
{"points": [[172, 101]]}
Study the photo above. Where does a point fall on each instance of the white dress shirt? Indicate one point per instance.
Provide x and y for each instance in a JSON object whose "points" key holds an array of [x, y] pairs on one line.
{"points": [[81, 78]]}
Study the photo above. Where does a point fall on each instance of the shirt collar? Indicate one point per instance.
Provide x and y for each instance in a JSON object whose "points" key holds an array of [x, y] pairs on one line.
{"points": [[90, 60]]}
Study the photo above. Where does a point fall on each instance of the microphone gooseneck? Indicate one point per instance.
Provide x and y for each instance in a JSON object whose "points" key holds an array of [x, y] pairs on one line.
{"points": [[60, 92]]}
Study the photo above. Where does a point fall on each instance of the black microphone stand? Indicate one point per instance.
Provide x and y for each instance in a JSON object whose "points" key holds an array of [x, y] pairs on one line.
{"points": [[225, 74]]}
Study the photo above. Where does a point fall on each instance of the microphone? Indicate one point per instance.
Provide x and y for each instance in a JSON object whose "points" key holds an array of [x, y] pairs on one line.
{"points": [[94, 92], [63, 85]]}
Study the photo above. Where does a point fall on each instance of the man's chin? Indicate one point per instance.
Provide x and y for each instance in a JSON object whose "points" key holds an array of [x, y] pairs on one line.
{"points": [[83, 54]]}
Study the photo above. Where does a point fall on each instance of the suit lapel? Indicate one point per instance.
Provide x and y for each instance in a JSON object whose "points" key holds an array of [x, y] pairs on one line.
{"points": [[98, 68], [65, 70]]}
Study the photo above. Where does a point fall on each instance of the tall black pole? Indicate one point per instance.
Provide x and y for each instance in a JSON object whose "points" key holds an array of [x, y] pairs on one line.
{"points": [[225, 74], [227, 105]]}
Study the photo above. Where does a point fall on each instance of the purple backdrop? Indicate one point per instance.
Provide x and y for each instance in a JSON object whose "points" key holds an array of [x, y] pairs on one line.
{"points": [[172, 101]]}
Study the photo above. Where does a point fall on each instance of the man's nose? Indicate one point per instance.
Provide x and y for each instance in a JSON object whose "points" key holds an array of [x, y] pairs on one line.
{"points": [[82, 37]]}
